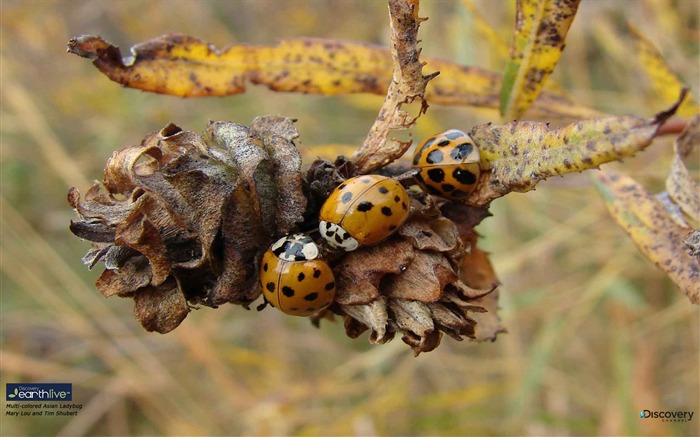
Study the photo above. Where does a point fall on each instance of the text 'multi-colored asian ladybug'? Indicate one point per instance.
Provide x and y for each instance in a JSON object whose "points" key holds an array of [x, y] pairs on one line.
{"points": [[363, 211], [293, 278], [449, 164]]}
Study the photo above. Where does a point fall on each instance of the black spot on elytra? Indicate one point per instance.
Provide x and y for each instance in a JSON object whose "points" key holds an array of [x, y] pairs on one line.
{"points": [[397, 199], [403, 205], [265, 267], [383, 190], [464, 176], [317, 273], [329, 286], [301, 277], [365, 180], [386, 211], [311, 297], [462, 151], [435, 157], [346, 197], [447, 188], [432, 190], [288, 291], [436, 175], [444, 143], [270, 286], [365, 206]]}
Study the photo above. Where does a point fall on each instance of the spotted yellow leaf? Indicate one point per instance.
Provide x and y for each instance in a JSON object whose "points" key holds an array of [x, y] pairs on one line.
{"points": [[652, 230], [664, 82], [541, 27], [184, 66], [683, 191], [520, 154]]}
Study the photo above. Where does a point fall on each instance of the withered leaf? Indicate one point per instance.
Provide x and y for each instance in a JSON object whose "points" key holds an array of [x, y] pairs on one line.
{"points": [[374, 316], [439, 234], [359, 273], [423, 280], [184, 66], [541, 27], [414, 320], [488, 324], [125, 281], [654, 232], [681, 188], [161, 308], [278, 134]]}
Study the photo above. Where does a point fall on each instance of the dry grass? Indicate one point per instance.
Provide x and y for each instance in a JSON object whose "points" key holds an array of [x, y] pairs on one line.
{"points": [[596, 333]]}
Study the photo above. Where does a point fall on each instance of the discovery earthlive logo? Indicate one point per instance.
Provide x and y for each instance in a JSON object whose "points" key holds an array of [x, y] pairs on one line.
{"points": [[38, 392], [667, 416]]}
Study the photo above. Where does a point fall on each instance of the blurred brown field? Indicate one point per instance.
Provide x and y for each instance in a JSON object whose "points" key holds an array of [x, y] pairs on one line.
{"points": [[595, 332]]}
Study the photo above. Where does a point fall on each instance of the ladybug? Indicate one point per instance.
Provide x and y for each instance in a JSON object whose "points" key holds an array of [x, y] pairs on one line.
{"points": [[363, 210], [449, 164], [293, 278]]}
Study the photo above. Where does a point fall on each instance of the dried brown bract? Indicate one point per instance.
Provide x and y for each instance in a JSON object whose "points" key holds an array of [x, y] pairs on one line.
{"points": [[181, 219]]}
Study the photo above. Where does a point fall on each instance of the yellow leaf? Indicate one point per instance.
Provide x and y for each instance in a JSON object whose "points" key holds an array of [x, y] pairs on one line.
{"points": [[664, 82], [651, 229], [681, 188], [520, 154], [540, 31], [185, 66]]}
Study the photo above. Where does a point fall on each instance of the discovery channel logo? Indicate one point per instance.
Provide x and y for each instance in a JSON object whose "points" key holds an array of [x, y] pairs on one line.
{"points": [[38, 392], [667, 416]]}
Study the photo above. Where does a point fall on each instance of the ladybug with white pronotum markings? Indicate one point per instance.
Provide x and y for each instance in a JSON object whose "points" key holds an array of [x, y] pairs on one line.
{"points": [[448, 164], [362, 211], [293, 277]]}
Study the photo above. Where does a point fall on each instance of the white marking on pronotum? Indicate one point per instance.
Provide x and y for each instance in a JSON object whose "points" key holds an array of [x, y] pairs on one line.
{"points": [[337, 237]]}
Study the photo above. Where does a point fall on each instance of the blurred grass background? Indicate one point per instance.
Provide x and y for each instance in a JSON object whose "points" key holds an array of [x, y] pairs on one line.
{"points": [[596, 333]]}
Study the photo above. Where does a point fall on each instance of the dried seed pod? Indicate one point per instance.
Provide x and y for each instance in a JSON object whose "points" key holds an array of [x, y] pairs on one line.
{"points": [[419, 283], [182, 219]]}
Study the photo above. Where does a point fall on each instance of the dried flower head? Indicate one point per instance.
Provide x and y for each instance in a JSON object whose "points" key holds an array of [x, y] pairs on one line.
{"points": [[183, 219]]}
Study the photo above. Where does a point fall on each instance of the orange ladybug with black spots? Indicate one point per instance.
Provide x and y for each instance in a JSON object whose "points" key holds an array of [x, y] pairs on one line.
{"points": [[363, 211], [293, 278], [449, 164]]}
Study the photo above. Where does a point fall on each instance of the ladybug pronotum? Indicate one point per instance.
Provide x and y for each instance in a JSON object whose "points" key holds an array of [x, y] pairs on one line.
{"points": [[293, 278], [449, 164], [363, 210]]}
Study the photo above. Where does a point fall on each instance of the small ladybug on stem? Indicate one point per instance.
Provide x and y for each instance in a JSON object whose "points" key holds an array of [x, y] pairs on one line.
{"points": [[449, 164], [293, 278], [363, 211]]}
